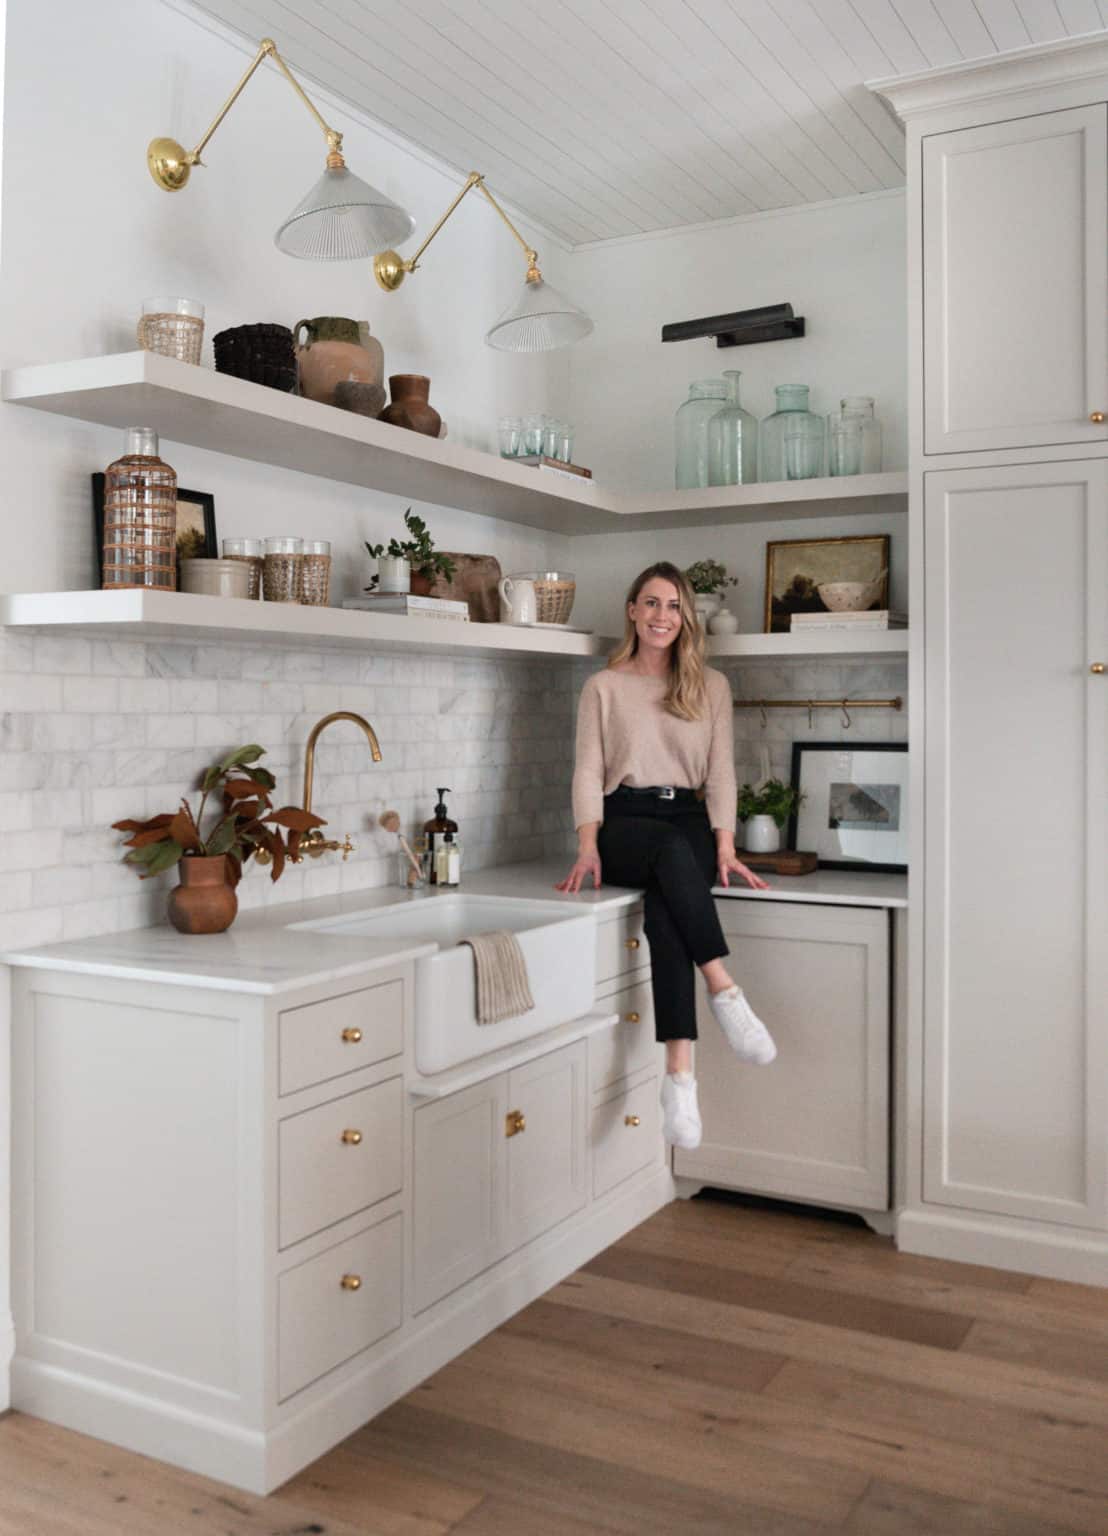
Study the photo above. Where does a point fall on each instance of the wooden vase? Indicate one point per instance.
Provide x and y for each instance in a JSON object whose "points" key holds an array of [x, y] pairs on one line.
{"points": [[205, 901], [408, 406]]}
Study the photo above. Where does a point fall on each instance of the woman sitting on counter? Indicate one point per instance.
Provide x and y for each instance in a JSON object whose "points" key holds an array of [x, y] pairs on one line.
{"points": [[654, 801]]}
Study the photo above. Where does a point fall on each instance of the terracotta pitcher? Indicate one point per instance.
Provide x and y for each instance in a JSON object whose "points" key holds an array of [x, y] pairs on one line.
{"points": [[205, 900], [332, 350], [408, 406]]}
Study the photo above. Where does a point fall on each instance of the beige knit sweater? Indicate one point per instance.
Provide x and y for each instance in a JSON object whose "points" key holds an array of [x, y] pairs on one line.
{"points": [[624, 736]]}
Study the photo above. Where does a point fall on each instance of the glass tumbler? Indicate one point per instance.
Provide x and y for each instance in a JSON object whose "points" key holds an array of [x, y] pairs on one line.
{"points": [[173, 327], [252, 554], [284, 560], [533, 430], [511, 433], [551, 436], [844, 447], [563, 450], [315, 573]]}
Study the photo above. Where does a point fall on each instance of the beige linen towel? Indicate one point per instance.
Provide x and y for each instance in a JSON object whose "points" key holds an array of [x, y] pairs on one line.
{"points": [[503, 989]]}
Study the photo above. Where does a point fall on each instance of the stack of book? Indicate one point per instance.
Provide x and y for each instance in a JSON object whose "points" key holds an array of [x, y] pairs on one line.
{"points": [[870, 618], [407, 603], [552, 466]]}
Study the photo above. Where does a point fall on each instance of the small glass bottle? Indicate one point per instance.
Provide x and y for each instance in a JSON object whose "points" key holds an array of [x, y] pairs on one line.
{"points": [[791, 417], [732, 440], [691, 428], [448, 861], [434, 832], [140, 518], [859, 408]]}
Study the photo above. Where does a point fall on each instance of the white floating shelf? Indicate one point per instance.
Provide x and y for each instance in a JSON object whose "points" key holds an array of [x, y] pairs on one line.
{"points": [[187, 404], [172, 615]]}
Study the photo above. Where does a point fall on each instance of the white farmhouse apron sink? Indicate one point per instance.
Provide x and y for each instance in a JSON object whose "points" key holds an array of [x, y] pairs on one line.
{"points": [[558, 944]]}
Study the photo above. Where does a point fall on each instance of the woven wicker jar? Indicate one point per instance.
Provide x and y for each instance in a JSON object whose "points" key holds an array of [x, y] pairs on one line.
{"points": [[205, 900], [408, 406], [336, 351]]}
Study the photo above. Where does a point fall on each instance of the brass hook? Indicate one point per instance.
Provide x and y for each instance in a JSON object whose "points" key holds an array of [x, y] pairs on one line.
{"points": [[846, 715], [765, 717], [811, 706]]}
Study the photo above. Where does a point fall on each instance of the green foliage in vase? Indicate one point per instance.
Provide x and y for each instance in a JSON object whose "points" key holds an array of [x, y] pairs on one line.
{"points": [[773, 798], [709, 576], [419, 550], [245, 821]]}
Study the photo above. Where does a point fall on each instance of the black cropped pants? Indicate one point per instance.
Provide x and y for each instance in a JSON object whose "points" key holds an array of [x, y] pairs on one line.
{"points": [[667, 847]]}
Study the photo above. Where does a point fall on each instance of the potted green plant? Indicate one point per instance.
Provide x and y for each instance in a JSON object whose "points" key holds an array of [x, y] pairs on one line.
{"points": [[410, 565], [709, 580], [764, 812], [210, 858]]}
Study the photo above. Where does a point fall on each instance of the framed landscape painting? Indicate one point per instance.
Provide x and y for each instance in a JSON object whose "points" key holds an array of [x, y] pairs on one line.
{"points": [[854, 813]]}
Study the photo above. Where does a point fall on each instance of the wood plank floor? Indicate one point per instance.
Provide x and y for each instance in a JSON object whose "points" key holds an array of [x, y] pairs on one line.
{"points": [[727, 1368]]}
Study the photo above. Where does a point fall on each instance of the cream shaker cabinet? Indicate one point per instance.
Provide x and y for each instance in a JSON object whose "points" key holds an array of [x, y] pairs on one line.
{"points": [[1015, 270], [1016, 814], [814, 1125]]}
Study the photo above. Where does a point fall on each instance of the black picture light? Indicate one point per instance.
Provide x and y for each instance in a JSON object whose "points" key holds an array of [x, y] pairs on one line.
{"points": [[773, 322]]}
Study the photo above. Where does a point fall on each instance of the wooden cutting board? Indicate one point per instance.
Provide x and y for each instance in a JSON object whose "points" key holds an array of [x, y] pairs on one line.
{"points": [[786, 862]]}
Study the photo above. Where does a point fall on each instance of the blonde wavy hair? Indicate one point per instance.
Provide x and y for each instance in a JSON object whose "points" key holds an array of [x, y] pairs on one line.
{"points": [[685, 695]]}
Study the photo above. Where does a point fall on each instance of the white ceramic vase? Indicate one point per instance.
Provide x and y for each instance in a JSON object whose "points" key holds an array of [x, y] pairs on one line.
{"points": [[706, 604], [762, 835], [394, 573], [723, 623]]}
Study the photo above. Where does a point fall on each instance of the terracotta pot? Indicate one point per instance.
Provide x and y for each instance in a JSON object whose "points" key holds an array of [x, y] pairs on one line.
{"points": [[337, 351], [205, 901], [408, 406], [420, 584]]}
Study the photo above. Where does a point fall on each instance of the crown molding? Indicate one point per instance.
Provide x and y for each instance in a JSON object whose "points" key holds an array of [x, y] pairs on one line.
{"points": [[1065, 62]]}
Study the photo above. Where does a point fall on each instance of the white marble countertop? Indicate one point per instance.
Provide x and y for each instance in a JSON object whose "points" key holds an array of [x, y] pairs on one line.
{"points": [[261, 953]]}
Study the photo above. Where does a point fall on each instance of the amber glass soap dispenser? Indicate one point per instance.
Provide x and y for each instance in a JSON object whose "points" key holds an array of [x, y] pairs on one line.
{"points": [[434, 831]]}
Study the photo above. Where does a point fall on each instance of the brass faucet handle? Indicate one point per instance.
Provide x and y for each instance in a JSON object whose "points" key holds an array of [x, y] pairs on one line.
{"points": [[346, 846]]}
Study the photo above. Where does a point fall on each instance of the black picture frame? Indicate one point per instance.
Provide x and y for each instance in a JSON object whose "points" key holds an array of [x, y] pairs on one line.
{"points": [[870, 866], [203, 521]]}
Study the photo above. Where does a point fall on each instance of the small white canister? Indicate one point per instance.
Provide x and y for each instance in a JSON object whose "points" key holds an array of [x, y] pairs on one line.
{"points": [[518, 603]]}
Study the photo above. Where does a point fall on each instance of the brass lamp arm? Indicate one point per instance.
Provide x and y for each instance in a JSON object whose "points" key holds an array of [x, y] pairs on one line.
{"points": [[390, 268]]}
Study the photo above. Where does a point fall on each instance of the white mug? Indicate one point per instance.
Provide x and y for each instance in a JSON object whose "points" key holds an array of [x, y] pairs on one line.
{"points": [[518, 604]]}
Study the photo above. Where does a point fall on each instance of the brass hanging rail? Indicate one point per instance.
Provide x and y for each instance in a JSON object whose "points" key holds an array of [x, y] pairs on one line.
{"points": [[845, 705]]}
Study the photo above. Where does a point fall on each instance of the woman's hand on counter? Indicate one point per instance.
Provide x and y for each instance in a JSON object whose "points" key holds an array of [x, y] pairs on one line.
{"points": [[586, 863], [728, 863]]}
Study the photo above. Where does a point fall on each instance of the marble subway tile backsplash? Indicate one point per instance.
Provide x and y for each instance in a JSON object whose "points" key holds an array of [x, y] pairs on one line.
{"points": [[94, 730]]}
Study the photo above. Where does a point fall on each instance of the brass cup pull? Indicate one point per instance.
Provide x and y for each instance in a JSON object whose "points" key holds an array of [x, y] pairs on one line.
{"points": [[1096, 417], [630, 1018], [352, 1138], [515, 1121], [1097, 668], [631, 1120], [351, 1282], [352, 1036], [633, 943]]}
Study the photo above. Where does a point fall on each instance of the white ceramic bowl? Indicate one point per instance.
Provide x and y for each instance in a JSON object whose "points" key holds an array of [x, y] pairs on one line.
{"points": [[848, 596], [215, 578]]}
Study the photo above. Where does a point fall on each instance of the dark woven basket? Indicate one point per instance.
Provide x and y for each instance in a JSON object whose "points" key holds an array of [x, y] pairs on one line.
{"points": [[264, 354]]}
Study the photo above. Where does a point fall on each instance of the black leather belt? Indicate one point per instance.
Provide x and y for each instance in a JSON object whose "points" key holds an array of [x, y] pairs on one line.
{"points": [[658, 792]]}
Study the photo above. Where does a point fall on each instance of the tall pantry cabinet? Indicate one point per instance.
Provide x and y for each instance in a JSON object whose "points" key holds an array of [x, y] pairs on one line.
{"points": [[1007, 1050]]}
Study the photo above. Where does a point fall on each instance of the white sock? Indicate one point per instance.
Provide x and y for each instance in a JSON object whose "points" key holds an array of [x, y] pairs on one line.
{"points": [[681, 1077], [731, 991]]}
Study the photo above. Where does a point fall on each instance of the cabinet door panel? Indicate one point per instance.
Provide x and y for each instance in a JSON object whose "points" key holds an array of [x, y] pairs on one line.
{"points": [[814, 1125], [545, 1178], [1015, 262], [1016, 976], [458, 1152]]}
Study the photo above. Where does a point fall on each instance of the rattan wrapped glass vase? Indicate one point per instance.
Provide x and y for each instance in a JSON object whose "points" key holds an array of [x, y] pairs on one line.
{"points": [[140, 518]]}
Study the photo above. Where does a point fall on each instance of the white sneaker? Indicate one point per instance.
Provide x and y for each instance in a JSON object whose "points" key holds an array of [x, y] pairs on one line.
{"points": [[680, 1112], [747, 1036]]}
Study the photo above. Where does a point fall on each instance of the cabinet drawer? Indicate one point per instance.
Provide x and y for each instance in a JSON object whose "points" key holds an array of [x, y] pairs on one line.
{"points": [[324, 1178], [340, 1034], [621, 945], [322, 1321], [626, 1136], [628, 1046]]}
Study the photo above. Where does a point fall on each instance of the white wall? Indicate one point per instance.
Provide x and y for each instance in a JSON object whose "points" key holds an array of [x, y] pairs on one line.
{"points": [[841, 265]]}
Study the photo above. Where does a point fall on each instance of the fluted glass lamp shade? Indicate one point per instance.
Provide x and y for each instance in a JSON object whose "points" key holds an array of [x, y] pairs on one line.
{"points": [[343, 218], [540, 320]]}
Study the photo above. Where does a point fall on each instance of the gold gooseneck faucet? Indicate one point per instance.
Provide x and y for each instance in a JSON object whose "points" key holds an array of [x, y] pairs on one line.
{"points": [[313, 843]]}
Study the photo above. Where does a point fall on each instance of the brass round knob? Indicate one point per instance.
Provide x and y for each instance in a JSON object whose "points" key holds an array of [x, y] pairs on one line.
{"points": [[352, 1138], [630, 1018], [1097, 667], [351, 1282], [631, 1120], [633, 943], [352, 1036], [1096, 417]]}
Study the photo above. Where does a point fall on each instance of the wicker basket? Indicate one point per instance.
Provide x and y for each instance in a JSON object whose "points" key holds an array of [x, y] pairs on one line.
{"points": [[554, 594]]}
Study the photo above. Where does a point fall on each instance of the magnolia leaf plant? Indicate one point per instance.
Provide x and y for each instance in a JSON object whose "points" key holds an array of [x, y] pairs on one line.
{"points": [[419, 550], [239, 823]]}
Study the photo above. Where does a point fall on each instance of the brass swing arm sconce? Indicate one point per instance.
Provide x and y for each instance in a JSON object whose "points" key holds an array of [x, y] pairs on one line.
{"points": [[170, 163], [390, 268]]}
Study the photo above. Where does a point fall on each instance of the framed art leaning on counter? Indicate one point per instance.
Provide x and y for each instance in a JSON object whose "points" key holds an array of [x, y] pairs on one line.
{"points": [[854, 807]]}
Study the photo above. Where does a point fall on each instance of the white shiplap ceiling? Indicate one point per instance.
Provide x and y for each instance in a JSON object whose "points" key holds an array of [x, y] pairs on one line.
{"points": [[603, 118]]}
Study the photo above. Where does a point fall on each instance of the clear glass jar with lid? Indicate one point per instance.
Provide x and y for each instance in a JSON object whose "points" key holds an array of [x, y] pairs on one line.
{"points": [[732, 440], [691, 427], [859, 409], [803, 459]]}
